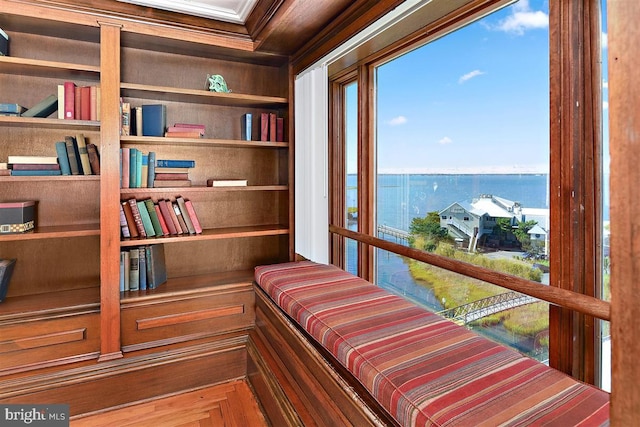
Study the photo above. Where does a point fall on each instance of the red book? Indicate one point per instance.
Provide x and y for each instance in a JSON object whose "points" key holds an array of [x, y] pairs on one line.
{"points": [[93, 102], [69, 100], [279, 129], [172, 129], [85, 103], [272, 127], [186, 134], [164, 211], [131, 222], [193, 216], [264, 126], [174, 217], [190, 126], [163, 224], [171, 176], [33, 167], [137, 218], [77, 98]]}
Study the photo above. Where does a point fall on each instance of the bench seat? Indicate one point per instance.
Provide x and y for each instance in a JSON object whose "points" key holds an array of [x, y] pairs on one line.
{"points": [[424, 369]]}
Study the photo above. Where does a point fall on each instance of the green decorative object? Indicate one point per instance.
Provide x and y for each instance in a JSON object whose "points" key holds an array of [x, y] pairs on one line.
{"points": [[217, 83]]}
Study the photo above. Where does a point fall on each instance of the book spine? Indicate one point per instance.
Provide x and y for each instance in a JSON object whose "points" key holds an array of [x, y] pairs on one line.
{"points": [[125, 129], [63, 159], [122, 257], [85, 103], [35, 166], [272, 127], [264, 126], [35, 173], [185, 215], [139, 121], [69, 100], [93, 103], [192, 215], [144, 171], [155, 221], [127, 266], [138, 168], [72, 155], [146, 219], [164, 210], [279, 129], [137, 217], [125, 167], [171, 176], [175, 163], [142, 268], [124, 227], [133, 163], [174, 218], [246, 127], [152, 169], [183, 225], [94, 159], [83, 153], [61, 101], [131, 222], [134, 269], [163, 223]]}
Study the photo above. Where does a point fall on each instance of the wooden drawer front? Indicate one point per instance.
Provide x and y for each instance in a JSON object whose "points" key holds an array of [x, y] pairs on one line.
{"points": [[151, 324], [43, 342]]}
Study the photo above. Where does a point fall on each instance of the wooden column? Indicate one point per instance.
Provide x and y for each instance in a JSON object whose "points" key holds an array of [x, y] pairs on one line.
{"points": [[624, 137], [110, 191]]}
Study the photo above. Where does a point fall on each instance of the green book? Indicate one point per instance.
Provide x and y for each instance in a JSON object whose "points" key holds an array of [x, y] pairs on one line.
{"points": [[133, 164], [43, 108], [146, 219], [155, 221]]}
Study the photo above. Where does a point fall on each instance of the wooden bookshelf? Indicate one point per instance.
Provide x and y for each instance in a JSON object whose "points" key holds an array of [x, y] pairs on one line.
{"points": [[205, 142], [142, 192], [54, 232], [211, 234]]}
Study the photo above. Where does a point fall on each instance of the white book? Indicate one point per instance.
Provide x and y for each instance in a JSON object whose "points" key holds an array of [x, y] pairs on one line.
{"points": [[61, 101], [43, 160], [227, 183]]}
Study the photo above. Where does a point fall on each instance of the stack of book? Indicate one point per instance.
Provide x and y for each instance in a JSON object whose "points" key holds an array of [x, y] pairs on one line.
{"points": [[146, 218], [142, 268], [169, 173], [14, 110], [185, 130], [142, 170], [76, 156], [34, 165], [78, 102]]}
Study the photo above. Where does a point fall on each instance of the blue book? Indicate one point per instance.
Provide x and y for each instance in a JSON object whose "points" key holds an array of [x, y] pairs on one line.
{"points": [[142, 262], [122, 262], [133, 164], [151, 171], [246, 127], [154, 119], [138, 168], [63, 158], [175, 163], [35, 173]]}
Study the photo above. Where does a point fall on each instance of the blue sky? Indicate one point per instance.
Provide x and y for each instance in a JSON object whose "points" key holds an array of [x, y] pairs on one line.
{"points": [[474, 101]]}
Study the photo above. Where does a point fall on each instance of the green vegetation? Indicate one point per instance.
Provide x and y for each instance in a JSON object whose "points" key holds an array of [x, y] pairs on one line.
{"points": [[426, 233]]}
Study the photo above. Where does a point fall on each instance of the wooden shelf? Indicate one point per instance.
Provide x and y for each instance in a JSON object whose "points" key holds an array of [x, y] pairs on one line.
{"points": [[50, 69], [54, 232], [203, 142], [211, 234], [50, 304], [190, 285], [200, 96], [38, 122], [50, 178], [141, 192]]}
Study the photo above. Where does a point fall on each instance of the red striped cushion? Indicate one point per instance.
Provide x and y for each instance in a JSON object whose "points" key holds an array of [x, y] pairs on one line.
{"points": [[424, 369]]}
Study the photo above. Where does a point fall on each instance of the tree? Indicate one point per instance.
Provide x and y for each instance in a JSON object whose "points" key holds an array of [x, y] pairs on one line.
{"points": [[427, 231], [522, 233]]}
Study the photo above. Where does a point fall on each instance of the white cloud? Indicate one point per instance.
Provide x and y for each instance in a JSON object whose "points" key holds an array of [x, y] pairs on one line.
{"points": [[604, 41], [446, 140], [605, 84], [397, 121], [470, 75], [522, 19], [605, 105]]}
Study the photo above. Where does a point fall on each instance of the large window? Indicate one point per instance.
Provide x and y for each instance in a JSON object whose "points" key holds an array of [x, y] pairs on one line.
{"points": [[470, 153]]}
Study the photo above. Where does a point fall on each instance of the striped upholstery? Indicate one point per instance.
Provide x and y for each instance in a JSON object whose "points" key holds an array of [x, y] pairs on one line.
{"points": [[422, 368]]}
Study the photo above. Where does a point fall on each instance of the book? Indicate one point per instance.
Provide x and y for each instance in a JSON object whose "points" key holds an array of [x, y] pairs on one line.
{"points": [[142, 268], [144, 171], [272, 127], [85, 103], [151, 173], [43, 108], [174, 217], [171, 170], [127, 266], [138, 120], [36, 166], [169, 183], [4, 43], [122, 261], [171, 176], [124, 167], [154, 119], [93, 103], [146, 219], [94, 158], [5, 172], [73, 155], [198, 126], [134, 272], [245, 127], [193, 216], [69, 100], [133, 163], [84, 154], [163, 223], [171, 163], [156, 266], [4, 165], [77, 103], [61, 101], [48, 160], [131, 222], [264, 126], [137, 217], [6, 271], [280, 129], [166, 215], [183, 134], [226, 182], [153, 216], [124, 227], [185, 215], [125, 118], [138, 168], [35, 173], [12, 108], [183, 225]]}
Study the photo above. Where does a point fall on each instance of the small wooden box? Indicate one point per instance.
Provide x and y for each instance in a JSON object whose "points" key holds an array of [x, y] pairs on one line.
{"points": [[17, 217]]}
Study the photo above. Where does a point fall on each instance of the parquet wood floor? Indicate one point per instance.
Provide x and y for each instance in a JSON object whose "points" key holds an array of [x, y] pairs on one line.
{"points": [[225, 405]]}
